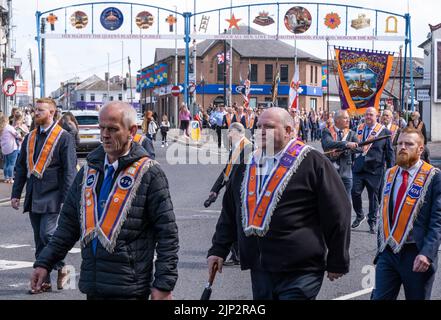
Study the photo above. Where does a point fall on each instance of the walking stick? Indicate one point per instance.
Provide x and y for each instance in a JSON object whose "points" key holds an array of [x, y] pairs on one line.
{"points": [[207, 291]]}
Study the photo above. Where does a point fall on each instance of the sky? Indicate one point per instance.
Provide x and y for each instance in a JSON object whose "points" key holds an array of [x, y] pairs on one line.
{"points": [[67, 59]]}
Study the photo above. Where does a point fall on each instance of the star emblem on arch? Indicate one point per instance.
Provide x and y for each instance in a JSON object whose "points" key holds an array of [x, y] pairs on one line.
{"points": [[233, 21]]}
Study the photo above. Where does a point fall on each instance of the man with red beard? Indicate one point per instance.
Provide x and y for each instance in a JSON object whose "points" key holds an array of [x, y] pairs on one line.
{"points": [[409, 225], [47, 166]]}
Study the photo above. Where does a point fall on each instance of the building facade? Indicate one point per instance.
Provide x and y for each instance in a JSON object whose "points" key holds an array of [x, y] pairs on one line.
{"points": [[262, 60]]}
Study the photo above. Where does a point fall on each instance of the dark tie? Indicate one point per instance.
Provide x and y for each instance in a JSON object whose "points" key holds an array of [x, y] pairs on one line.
{"points": [[401, 193], [339, 135], [104, 194], [366, 133]]}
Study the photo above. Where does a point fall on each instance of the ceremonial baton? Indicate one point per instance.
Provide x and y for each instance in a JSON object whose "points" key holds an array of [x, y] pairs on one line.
{"points": [[361, 144], [207, 291]]}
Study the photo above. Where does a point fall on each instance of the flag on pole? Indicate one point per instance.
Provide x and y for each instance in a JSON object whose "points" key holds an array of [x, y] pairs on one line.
{"points": [[275, 87], [245, 89], [294, 90]]}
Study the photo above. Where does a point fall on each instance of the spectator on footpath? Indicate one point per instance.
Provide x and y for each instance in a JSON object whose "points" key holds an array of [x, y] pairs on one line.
{"points": [[69, 123], [47, 166], [129, 195], [165, 127], [10, 140], [409, 226], [184, 119], [288, 241]]}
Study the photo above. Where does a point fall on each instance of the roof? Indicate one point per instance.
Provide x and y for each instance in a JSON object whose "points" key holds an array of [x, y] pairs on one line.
{"points": [[245, 48], [95, 83]]}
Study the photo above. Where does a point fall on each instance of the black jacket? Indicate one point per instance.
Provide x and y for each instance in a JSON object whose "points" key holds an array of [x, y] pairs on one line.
{"points": [[46, 195], [150, 226], [220, 181], [309, 229]]}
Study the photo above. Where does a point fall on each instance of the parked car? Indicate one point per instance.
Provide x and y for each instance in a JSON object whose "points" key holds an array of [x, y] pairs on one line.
{"points": [[89, 130]]}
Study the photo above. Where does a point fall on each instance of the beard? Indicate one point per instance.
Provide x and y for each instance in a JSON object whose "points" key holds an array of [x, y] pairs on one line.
{"points": [[407, 159]]}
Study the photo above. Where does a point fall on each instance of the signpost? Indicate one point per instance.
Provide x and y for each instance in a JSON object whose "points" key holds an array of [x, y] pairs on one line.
{"points": [[176, 90], [9, 87]]}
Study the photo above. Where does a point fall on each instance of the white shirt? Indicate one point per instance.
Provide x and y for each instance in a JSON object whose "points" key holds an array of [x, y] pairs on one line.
{"points": [[113, 164], [265, 164], [399, 178], [45, 130]]}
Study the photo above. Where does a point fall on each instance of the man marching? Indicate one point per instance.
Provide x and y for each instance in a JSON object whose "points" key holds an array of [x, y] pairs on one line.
{"points": [[241, 149], [47, 166], [119, 208], [409, 229], [288, 210], [387, 121], [369, 167], [339, 136]]}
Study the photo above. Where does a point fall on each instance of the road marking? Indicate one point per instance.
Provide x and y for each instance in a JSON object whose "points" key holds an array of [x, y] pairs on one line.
{"points": [[355, 294], [18, 285], [10, 265], [13, 246], [75, 250]]}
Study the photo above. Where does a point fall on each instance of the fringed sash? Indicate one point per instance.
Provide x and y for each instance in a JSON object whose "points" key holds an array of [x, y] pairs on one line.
{"points": [[235, 155], [117, 205], [249, 122], [395, 236], [374, 134], [335, 136], [393, 129], [258, 207], [138, 138], [46, 152]]}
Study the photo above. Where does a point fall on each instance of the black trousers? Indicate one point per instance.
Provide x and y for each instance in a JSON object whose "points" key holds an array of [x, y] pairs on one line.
{"points": [[219, 136], [286, 285], [373, 186]]}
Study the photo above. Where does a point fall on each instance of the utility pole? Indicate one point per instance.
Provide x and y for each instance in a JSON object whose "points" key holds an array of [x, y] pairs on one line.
{"points": [[231, 59], [122, 71], [43, 58], [32, 77], [176, 66], [108, 76], [130, 82], [194, 59], [225, 70]]}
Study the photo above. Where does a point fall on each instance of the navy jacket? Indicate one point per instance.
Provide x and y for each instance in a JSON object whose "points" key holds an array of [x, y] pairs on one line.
{"points": [[426, 230], [46, 195]]}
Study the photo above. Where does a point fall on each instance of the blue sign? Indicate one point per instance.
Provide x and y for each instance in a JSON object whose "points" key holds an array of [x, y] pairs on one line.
{"points": [[112, 18], [263, 89]]}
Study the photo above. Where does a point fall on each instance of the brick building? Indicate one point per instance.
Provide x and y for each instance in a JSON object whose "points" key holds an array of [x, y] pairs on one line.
{"points": [[264, 57]]}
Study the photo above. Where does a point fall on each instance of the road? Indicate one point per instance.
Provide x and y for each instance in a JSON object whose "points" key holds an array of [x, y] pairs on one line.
{"points": [[189, 186]]}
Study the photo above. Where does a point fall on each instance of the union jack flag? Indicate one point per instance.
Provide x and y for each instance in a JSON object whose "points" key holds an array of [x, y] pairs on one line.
{"points": [[221, 59], [245, 89]]}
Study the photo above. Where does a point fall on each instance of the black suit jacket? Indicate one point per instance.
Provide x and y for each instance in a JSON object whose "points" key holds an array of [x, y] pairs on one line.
{"points": [[309, 229], [45, 195], [380, 155]]}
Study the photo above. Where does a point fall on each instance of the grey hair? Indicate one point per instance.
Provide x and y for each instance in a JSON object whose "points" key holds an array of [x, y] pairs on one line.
{"points": [[340, 113], [238, 127], [129, 116]]}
